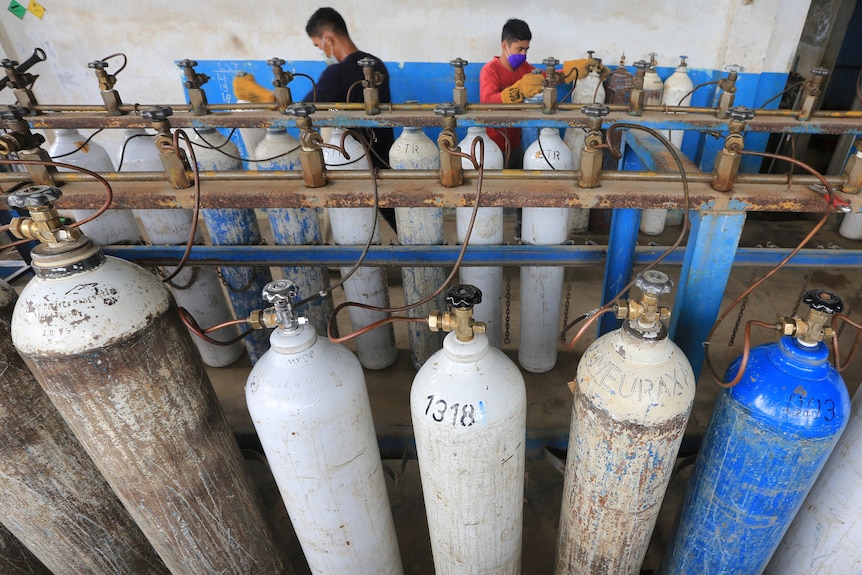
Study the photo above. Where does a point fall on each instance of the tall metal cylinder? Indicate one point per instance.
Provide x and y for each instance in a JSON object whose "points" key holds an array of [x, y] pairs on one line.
{"points": [[232, 227], [851, 226], [468, 406], [15, 559], [195, 288], [351, 226], [633, 394], [309, 404], [113, 226], [542, 287], [278, 150], [413, 150], [768, 438], [104, 340], [52, 496], [824, 535], [487, 230]]}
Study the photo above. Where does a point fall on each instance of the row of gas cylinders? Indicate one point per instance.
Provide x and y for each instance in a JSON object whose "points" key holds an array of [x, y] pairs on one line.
{"points": [[118, 458], [200, 291]]}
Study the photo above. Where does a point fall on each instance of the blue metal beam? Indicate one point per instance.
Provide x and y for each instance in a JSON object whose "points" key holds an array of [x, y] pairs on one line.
{"points": [[714, 237], [514, 255]]}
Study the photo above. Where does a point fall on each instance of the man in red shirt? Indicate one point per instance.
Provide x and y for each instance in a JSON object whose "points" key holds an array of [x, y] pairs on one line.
{"points": [[506, 79]]}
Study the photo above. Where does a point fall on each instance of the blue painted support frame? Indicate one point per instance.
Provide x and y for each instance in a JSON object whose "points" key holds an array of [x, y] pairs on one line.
{"points": [[712, 243]]}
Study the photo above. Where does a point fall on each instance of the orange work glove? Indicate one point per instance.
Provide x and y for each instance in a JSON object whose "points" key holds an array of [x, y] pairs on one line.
{"points": [[529, 85], [245, 87], [582, 66]]}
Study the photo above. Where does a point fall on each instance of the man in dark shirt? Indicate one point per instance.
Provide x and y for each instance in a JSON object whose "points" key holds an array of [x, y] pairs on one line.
{"points": [[341, 81]]}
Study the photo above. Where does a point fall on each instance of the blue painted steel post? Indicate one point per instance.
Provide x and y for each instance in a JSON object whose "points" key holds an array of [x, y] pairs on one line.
{"points": [[621, 243], [621, 255], [712, 243]]}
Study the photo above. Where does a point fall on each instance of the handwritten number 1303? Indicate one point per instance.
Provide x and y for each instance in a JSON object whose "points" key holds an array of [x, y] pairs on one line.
{"points": [[465, 414]]}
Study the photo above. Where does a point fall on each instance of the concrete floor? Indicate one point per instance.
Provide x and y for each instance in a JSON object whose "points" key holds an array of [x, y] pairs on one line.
{"points": [[549, 400]]}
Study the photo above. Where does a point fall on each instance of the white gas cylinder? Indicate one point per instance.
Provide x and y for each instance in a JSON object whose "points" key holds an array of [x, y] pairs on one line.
{"points": [[251, 139], [589, 90], [851, 226], [309, 404], [542, 286], [653, 86], [113, 226], [468, 407], [295, 226], [677, 92], [824, 535], [633, 394], [350, 227], [413, 150], [487, 230], [196, 288]]}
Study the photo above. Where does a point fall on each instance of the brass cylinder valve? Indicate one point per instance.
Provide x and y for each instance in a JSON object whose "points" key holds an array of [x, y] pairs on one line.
{"points": [[311, 154], [636, 101], [175, 162], [280, 294], [549, 85], [193, 82], [461, 300], [853, 171], [280, 80], [728, 87], [21, 81], [459, 94], [44, 223], [26, 144], [451, 171], [729, 158], [591, 155], [647, 312], [823, 305], [811, 92], [373, 78], [106, 84]]}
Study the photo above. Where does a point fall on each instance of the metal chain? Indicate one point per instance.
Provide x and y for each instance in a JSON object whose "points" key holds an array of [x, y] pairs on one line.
{"points": [[566, 307], [506, 335], [741, 312]]}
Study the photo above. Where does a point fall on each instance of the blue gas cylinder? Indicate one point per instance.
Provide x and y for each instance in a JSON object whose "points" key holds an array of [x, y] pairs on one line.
{"points": [[767, 441]]}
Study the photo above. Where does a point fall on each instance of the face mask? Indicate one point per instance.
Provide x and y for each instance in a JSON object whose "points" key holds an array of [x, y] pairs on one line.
{"points": [[515, 60], [330, 60]]}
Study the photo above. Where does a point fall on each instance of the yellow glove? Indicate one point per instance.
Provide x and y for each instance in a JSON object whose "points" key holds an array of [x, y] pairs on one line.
{"points": [[529, 85], [245, 87], [582, 66]]}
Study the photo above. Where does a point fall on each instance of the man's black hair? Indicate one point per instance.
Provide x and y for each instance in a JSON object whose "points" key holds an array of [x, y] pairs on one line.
{"points": [[515, 30], [326, 19]]}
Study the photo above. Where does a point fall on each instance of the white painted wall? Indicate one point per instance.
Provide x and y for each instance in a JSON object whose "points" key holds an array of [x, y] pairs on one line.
{"points": [[760, 35]]}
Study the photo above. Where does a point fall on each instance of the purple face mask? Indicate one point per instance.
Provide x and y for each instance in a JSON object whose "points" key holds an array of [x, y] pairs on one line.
{"points": [[515, 60]]}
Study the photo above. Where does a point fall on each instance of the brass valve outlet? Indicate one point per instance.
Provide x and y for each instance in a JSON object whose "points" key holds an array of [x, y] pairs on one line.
{"points": [[461, 299], [311, 154], [281, 79], [373, 78], [106, 84], [175, 163], [44, 223], [728, 87], [451, 171], [549, 85], [813, 330], [728, 160], [646, 311], [853, 171], [636, 100], [811, 92], [21, 82], [591, 156], [459, 94], [193, 82]]}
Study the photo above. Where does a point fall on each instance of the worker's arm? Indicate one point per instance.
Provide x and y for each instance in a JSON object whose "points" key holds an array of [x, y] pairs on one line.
{"points": [[245, 87], [582, 66], [493, 91]]}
